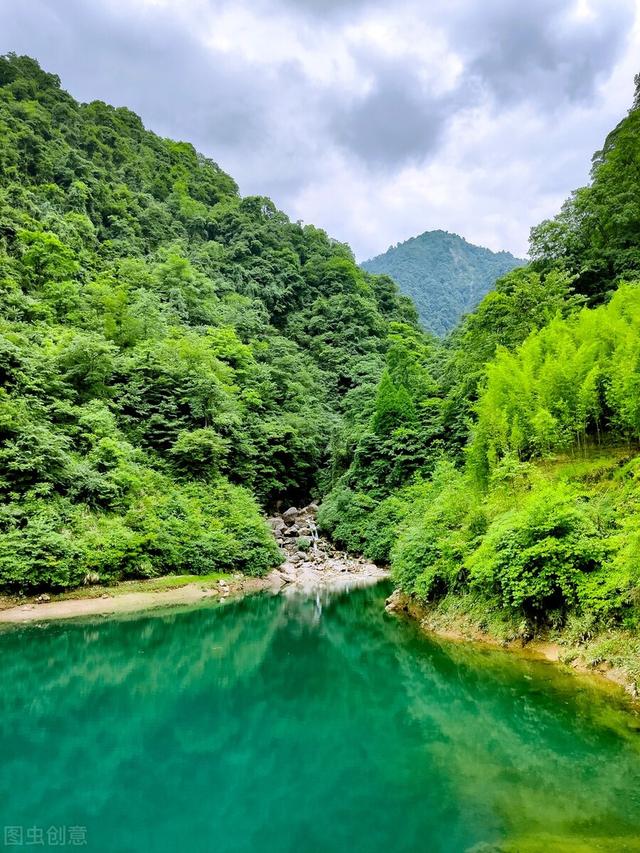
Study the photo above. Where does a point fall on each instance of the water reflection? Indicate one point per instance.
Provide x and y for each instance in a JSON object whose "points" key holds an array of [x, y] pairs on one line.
{"points": [[288, 723]]}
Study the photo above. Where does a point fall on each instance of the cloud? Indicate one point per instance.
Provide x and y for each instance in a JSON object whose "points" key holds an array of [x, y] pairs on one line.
{"points": [[396, 121], [549, 52], [374, 122]]}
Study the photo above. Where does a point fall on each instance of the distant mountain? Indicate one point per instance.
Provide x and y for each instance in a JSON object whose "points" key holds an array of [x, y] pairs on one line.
{"points": [[443, 274]]}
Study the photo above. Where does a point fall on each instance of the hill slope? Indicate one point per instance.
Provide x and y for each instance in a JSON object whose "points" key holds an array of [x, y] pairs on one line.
{"points": [[173, 357], [499, 474], [444, 275]]}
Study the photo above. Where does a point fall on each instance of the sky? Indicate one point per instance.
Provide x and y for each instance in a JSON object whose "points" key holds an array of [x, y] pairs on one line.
{"points": [[373, 120]]}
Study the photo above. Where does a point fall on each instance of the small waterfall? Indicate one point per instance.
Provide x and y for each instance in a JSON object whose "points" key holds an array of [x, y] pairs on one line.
{"points": [[314, 536]]}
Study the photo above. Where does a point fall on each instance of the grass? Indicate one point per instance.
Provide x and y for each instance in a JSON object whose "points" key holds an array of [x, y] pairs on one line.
{"points": [[148, 585]]}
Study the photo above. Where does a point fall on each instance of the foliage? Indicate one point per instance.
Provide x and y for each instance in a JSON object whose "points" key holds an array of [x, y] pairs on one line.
{"points": [[572, 382], [165, 346], [537, 558], [444, 275], [490, 468], [175, 359], [596, 235]]}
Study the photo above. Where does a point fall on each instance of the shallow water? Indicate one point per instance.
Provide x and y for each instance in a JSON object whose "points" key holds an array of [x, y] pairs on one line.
{"points": [[278, 724]]}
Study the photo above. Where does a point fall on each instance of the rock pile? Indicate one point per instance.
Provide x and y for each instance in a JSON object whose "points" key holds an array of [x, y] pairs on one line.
{"points": [[311, 561]]}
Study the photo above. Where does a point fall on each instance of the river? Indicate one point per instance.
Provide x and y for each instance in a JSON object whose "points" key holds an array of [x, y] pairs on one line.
{"points": [[304, 724]]}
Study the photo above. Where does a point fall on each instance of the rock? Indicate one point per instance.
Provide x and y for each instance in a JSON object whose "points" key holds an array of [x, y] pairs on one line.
{"points": [[290, 515], [44, 597], [91, 578], [305, 531], [276, 580], [312, 508], [396, 603], [293, 531], [288, 573]]}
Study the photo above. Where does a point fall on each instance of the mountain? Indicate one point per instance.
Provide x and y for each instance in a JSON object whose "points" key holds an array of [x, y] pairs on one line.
{"points": [[499, 473], [444, 275], [174, 358]]}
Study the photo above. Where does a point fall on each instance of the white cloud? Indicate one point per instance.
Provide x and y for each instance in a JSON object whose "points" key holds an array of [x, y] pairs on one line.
{"points": [[374, 122]]}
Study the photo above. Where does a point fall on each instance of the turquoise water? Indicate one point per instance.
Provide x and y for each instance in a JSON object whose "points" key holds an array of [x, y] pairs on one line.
{"points": [[277, 724]]}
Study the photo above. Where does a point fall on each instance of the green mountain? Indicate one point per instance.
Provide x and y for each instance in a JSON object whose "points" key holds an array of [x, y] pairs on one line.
{"points": [[444, 275], [499, 472], [176, 359], [173, 358]]}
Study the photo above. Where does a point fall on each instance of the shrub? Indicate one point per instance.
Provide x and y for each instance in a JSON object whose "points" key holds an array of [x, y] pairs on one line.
{"points": [[443, 524], [540, 558], [343, 514]]}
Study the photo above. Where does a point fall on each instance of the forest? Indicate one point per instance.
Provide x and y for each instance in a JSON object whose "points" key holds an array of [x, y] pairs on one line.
{"points": [[178, 360], [174, 360], [444, 275], [498, 471]]}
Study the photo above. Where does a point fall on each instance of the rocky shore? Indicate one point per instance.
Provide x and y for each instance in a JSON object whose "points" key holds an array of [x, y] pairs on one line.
{"points": [[311, 562]]}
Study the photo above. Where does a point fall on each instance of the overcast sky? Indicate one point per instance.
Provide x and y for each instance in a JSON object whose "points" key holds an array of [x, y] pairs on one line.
{"points": [[374, 120]]}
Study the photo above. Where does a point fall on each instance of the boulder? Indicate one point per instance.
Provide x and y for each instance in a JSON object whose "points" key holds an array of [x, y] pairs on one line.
{"points": [[287, 573], [290, 515]]}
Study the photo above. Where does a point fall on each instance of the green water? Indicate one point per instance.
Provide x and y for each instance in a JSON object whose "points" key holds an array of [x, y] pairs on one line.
{"points": [[296, 725]]}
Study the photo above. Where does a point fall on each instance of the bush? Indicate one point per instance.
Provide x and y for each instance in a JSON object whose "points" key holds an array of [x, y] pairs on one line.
{"points": [[544, 557], [441, 529], [38, 548], [343, 515], [381, 529], [194, 529]]}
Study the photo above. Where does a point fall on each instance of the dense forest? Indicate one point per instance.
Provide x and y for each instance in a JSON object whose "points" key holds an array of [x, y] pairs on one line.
{"points": [[178, 360], [174, 358], [498, 471], [444, 275]]}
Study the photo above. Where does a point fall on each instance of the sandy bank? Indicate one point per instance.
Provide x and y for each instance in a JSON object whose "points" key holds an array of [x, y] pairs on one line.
{"points": [[101, 601], [309, 563]]}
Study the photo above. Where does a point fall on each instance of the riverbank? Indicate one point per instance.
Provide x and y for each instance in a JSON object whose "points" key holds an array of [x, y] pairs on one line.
{"points": [[129, 597], [309, 563], [610, 656]]}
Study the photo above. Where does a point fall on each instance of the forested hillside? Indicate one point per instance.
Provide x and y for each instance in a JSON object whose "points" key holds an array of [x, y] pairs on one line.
{"points": [[177, 360], [444, 275], [499, 471], [174, 358]]}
